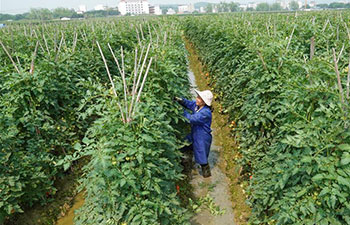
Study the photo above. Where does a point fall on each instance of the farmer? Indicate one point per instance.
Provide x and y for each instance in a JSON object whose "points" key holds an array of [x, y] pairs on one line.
{"points": [[200, 120]]}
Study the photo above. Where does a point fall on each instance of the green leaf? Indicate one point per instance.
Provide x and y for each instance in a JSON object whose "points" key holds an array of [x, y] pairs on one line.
{"points": [[66, 166], [122, 182], [343, 181], [148, 138], [345, 159], [302, 192], [77, 146], [318, 177], [344, 147]]}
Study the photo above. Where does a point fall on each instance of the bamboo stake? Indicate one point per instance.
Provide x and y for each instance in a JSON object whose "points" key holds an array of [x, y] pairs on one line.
{"points": [[111, 80], [55, 42], [347, 30], [325, 25], [59, 49], [19, 63], [338, 75], [143, 65], [124, 84], [290, 38], [143, 37], [305, 59], [138, 36], [142, 85], [340, 53], [312, 48], [46, 45], [37, 37], [142, 51], [115, 59], [33, 59], [8, 54], [134, 82], [263, 62], [337, 32], [75, 41], [64, 39], [289, 41], [150, 33]]}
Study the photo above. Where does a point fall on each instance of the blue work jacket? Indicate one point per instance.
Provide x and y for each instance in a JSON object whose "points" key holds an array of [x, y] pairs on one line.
{"points": [[200, 135]]}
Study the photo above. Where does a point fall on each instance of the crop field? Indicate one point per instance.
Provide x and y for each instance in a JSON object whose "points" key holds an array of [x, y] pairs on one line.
{"points": [[284, 81], [103, 90]]}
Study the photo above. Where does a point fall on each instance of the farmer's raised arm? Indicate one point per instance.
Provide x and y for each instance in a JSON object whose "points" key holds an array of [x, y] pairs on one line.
{"points": [[198, 118]]}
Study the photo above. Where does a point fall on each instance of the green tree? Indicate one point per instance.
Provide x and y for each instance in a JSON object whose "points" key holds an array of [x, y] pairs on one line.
{"points": [[337, 5], [209, 8], [276, 7], [293, 5], [63, 12], [263, 7], [40, 14], [223, 7], [322, 6], [234, 7]]}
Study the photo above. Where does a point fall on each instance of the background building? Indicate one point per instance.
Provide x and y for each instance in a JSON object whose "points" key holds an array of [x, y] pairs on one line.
{"points": [[171, 11], [157, 10], [134, 7], [186, 8]]}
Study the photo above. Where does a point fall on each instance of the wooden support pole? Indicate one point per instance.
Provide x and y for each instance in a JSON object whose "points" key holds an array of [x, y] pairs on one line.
{"points": [[8, 54], [111, 80], [338, 76], [31, 71]]}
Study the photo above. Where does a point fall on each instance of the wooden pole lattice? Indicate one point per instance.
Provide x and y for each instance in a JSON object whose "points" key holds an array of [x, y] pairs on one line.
{"points": [[130, 105]]}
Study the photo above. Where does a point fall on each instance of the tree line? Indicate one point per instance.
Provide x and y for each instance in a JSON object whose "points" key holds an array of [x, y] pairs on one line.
{"points": [[293, 5], [47, 14]]}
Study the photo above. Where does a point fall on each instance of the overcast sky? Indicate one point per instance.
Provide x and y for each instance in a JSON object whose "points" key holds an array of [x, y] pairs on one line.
{"points": [[19, 6]]}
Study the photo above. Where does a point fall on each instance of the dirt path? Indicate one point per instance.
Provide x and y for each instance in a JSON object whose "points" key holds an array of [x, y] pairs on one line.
{"points": [[224, 185], [217, 186]]}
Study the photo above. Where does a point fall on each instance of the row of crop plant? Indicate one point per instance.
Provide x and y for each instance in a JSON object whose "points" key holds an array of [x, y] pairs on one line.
{"points": [[45, 73], [134, 167], [284, 81], [54, 91]]}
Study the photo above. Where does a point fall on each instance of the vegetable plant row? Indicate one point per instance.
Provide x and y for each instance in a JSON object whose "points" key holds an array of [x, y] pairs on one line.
{"points": [[284, 81], [134, 167], [58, 105]]}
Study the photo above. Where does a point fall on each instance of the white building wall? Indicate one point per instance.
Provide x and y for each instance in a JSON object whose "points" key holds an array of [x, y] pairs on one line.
{"points": [[134, 7], [191, 8], [183, 8], [170, 11], [186, 8], [157, 10]]}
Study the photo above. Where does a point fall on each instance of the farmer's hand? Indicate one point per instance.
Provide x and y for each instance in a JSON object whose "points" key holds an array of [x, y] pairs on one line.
{"points": [[177, 99]]}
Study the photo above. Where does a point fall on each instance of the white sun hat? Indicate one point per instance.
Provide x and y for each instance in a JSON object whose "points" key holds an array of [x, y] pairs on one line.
{"points": [[206, 95]]}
